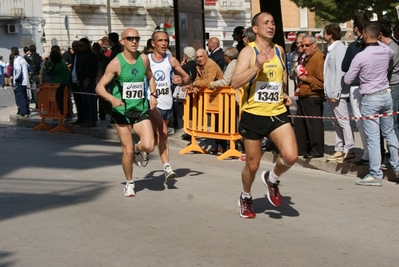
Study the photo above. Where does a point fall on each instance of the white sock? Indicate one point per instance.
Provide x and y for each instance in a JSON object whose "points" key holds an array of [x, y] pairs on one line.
{"points": [[272, 177], [245, 195], [166, 165], [129, 182]]}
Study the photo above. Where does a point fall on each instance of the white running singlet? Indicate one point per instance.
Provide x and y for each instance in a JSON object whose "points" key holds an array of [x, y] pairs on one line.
{"points": [[162, 72]]}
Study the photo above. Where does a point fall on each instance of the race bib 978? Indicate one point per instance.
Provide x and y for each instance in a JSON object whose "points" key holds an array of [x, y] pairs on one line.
{"points": [[133, 90], [267, 92]]}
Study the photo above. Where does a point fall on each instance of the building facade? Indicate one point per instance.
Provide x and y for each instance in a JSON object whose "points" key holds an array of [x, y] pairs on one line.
{"points": [[21, 22], [59, 22]]}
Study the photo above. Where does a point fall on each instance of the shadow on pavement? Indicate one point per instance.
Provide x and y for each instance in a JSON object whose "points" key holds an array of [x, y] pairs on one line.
{"points": [[262, 205], [155, 180], [4, 262], [14, 204], [58, 150]]}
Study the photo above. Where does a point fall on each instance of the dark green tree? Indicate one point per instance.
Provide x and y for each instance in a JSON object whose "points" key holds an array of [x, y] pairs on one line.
{"points": [[339, 11]]}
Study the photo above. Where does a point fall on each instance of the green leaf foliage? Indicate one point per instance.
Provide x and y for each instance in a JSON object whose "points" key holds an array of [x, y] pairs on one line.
{"points": [[339, 11]]}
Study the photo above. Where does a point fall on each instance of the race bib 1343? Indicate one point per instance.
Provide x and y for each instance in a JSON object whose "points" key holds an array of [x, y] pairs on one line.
{"points": [[267, 92]]}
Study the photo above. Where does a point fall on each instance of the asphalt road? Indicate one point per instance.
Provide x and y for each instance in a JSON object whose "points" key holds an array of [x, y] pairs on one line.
{"points": [[61, 204]]}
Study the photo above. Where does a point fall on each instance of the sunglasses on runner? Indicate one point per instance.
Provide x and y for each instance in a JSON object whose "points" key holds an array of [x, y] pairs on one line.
{"points": [[131, 38]]}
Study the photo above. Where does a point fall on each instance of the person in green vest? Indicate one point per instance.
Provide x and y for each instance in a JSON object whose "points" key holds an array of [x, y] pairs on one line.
{"points": [[130, 106]]}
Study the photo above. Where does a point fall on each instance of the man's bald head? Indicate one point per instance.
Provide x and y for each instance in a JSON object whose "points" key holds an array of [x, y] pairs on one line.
{"points": [[129, 32], [213, 43]]}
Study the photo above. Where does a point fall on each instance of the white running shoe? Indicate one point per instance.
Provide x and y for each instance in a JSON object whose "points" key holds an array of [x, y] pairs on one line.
{"points": [[169, 173], [128, 191]]}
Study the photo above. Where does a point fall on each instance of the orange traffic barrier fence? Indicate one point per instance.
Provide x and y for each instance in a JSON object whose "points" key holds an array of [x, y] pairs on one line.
{"points": [[213, 114], [48, 106]]}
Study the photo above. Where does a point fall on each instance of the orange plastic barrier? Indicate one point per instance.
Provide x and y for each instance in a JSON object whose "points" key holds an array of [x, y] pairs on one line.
{"points": [[214, 114], [48, 107]]}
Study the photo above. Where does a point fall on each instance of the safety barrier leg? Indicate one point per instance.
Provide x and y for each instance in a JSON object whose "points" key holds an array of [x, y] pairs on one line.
{"points": [[42, 125], [193, 147], [60, 127], [231, 152]]}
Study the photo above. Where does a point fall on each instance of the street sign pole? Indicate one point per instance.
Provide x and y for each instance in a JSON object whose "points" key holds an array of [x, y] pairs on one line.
{"points": [[109, 16], [66, 22]]}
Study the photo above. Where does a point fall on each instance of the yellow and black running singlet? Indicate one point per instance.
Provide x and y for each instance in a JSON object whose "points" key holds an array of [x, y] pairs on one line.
{"points": [[263, 94]]}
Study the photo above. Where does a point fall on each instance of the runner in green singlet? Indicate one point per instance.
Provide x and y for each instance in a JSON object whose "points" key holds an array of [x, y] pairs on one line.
{"points": [[129, 103]]}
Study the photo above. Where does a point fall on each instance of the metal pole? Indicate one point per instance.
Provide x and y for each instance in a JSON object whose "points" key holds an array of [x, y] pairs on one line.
{"points": [[66, 22], [109, 16]]}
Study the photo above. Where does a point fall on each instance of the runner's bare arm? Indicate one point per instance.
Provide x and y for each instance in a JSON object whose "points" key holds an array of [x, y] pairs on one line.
{"points": [[287, 99], [182, 78], [245, 68], [111, 71], [151, 82]]}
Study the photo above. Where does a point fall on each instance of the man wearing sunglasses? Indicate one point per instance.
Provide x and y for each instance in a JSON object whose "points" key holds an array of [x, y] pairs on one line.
{"points": [[130, 107], [167, 72], [310, 132]]}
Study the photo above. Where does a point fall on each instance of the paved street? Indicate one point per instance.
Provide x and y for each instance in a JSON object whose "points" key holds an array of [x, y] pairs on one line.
{"points": [[61, 204]]}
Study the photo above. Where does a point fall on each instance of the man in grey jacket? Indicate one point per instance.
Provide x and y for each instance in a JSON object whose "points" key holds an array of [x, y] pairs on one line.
{"points": [[337, 94]]}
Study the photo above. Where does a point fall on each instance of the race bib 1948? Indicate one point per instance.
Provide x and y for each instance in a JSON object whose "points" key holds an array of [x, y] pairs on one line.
{"points": [[267, 92], [133, 90]]}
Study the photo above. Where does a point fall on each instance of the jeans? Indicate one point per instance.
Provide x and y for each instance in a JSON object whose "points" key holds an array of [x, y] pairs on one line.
{"points": [[344, 140], [355, 99], [395, 99], [379, 103], [2, 80], [21, 98]]}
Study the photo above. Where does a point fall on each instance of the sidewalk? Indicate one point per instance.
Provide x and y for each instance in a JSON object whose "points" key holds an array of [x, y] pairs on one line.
{"points": [[103, 132]]}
